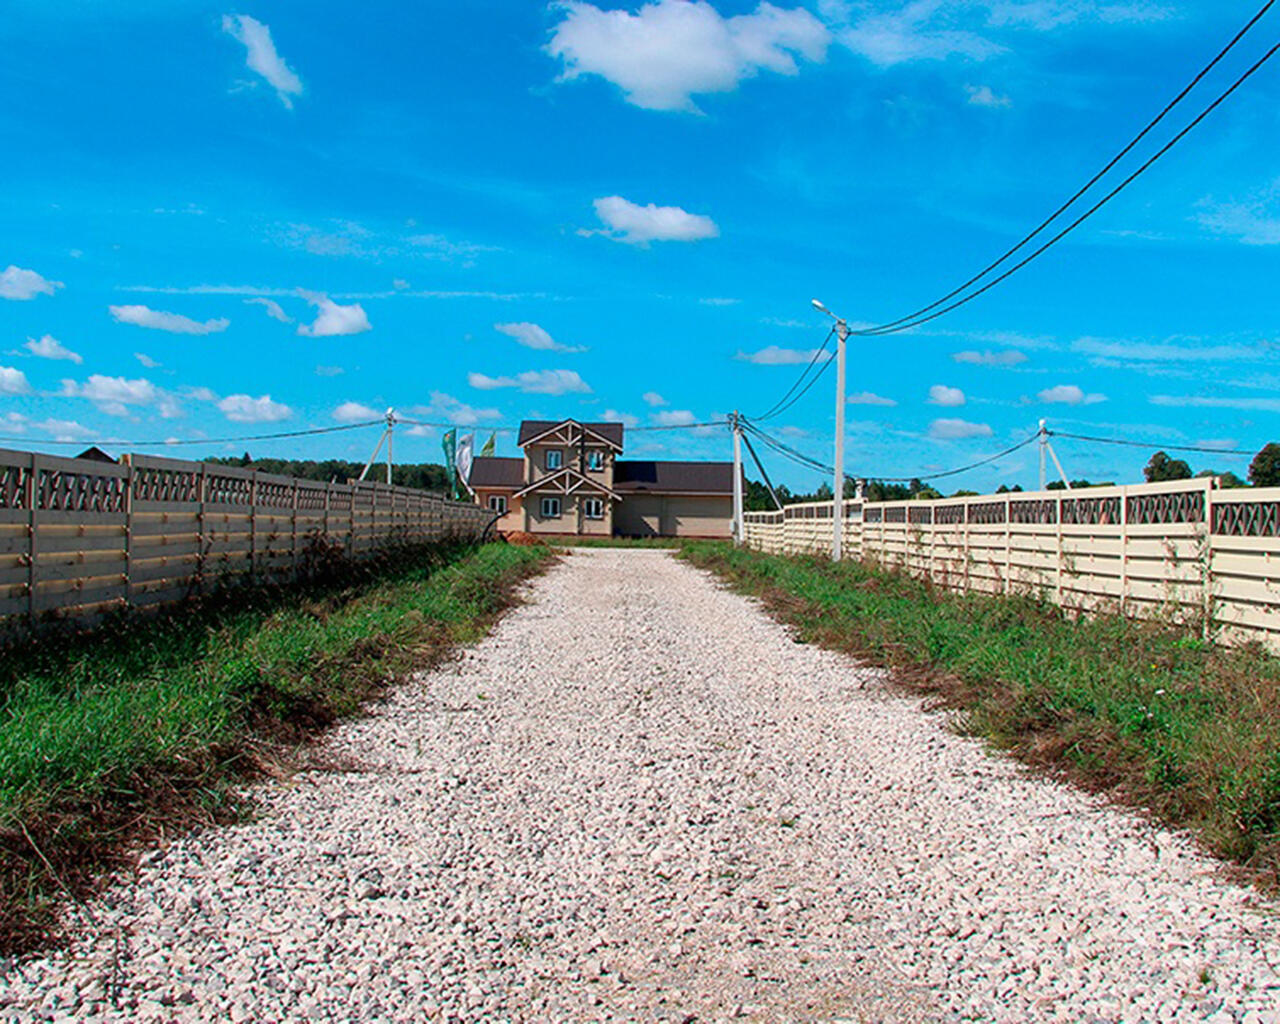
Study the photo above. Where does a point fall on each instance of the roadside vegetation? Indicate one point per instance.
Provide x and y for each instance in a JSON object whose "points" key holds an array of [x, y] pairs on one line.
{"points": [[141, 726], [1149, 714]]}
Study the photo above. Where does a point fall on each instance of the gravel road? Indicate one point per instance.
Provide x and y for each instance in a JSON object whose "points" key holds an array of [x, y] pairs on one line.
{"points": [[640, 800]]}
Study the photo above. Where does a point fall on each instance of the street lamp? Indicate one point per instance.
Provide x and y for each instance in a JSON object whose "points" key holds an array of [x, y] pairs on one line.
{"points": [[837, 510]]}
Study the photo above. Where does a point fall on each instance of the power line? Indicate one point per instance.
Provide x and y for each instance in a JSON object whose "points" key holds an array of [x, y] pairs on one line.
{"points": [[1157, 447], [885, 328], [775, 410], [199, 440]]}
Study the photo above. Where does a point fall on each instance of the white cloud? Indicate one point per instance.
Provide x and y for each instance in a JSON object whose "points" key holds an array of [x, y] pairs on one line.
{"points": [[868, 398], [13, 382], [445, 407], [261, 56], [535, 337], [329, 371], [1069, 394], [912, 33], [534, 382], [438, 247], [1046, 15], [674, 418], [142, 316], [399, 284], [115, 396], [1007, 357], [64, 430], [49, 347], [244, 409], [775, 356], [653, 398], [201, 394], [1253, 221], [1145, 352], [953, 430], [146, 360], [984, 96], [671, 50], [21, 285], [354, 412], [1199, 402], [719, 302], [333, 320], [273, 309], [633, 224], [940, 394], [625, 418]]}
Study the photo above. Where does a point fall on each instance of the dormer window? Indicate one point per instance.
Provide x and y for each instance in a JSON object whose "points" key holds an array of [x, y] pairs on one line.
{"points": [[595, 460], [555, 459]]}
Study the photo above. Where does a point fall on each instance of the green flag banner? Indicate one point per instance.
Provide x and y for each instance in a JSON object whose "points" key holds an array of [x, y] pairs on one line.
{"points": [[487, 451], [450, 444]]}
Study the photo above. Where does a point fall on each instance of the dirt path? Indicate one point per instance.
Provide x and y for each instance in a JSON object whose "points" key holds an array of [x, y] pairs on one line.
{"points": [[640, 800]]}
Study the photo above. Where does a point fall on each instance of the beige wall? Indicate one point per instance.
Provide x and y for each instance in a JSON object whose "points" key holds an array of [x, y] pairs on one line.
{"points": [[674, 515], [568, 521], [514, 519]]}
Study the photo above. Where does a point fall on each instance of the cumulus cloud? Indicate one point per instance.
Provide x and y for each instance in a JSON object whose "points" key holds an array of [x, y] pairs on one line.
{"points": [[174, 323], [940, 394], [953, 430], [1069, 394], [772, 355], [22, 285], [273, 309], [334, 320], [868, 398], [354, 412], [625, 418], [535, 337], [534, 382], [201, 394], [115, 396], [146, 360], [261, 56], [674, 418], [245, 409], [13, 382], [1006, 357], [671, 50], [984, 96], [633, 224], [653, 398], [445, 407], [64, 430], [49, 347]]}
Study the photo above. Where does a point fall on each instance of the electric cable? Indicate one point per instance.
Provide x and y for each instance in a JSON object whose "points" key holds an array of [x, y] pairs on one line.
{"points": [[816, 353], [1156, 447], [1151, 125], [200, 440]]}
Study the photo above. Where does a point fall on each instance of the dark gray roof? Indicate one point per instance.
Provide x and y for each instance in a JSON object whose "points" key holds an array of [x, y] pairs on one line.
{"points": [[673, 477], [611, 432], [487, 471]]}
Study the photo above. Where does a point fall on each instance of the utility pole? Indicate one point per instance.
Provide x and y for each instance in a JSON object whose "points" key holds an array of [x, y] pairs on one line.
{"points": [[837, 509], [391, 425], [1044, 443], [738, 532]]}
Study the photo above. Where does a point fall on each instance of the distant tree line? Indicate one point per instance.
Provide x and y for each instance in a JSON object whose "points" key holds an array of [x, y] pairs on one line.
{"points": [[425, 476]]}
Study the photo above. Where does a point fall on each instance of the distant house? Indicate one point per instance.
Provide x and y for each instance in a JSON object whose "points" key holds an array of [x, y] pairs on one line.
{"points": [[95, 454], [572, 481]]}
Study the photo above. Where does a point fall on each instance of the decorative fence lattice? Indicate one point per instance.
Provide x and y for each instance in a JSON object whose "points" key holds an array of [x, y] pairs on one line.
{"points": [[1185, 550], [79, 537]]}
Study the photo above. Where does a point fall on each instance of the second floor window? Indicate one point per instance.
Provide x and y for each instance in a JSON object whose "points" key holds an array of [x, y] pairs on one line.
{"points": [[498, 503], [555, 458], [595, 460]]}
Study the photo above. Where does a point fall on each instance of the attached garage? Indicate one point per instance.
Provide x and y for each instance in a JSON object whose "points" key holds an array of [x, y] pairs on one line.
{"points": [[674, 499]]}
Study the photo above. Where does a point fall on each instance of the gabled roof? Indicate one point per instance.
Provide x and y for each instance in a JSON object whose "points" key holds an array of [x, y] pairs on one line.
{"points": [[644, 477], [488, 471], [570, 480], [531, 430]]}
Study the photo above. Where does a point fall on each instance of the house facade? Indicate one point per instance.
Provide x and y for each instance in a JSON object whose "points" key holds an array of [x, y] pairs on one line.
{"points": [[571, 481]]}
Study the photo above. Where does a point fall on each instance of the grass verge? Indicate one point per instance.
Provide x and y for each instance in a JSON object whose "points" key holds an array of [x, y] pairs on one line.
{"points": [[1151, 715], [139, 727]]}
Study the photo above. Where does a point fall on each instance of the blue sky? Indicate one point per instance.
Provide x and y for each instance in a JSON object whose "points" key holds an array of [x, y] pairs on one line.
{"points": [[225, 220]]}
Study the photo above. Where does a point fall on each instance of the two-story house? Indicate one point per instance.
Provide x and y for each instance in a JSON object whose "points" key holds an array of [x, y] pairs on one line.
{"points": [[570, 480]]}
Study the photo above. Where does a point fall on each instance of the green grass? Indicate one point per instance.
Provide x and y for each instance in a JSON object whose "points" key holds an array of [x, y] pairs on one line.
{"points": [[140, 717], [1148, 713]]}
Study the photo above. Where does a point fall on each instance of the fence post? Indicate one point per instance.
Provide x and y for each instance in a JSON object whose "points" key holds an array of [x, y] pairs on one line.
{"points": [[293, 542], [33, 521], [128, 536], [965, 512], [1124, 549], [203, 541], [1206, 558], [1058, 582], [1008, 545], [253, 525]]}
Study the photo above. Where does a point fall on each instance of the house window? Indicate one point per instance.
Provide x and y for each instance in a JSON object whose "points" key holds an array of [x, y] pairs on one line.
{"points": [[595, 460], [555, 459], [593, 508], [550, 508], [498, 503]]}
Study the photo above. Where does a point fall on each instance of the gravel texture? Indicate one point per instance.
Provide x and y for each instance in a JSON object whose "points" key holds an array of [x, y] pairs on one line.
{"points": [[639, 799]]}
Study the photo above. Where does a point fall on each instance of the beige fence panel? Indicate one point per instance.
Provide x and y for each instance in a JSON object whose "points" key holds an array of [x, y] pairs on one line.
{"points": [[1184, 551], [79, 537]]}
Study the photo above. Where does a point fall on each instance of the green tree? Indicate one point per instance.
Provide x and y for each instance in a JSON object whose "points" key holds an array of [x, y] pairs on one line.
{"points": [[1162, 468], [1264, 470]]}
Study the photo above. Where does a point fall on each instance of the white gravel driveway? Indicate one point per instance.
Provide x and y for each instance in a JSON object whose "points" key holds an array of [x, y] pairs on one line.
{"points": [[640, 800]]}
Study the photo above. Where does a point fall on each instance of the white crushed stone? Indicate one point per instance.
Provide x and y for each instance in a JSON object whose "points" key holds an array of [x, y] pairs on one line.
{"points": [[639, 800]]}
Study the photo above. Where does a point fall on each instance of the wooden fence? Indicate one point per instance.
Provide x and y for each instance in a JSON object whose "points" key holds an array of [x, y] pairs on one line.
{"points": [[1186, 550], [79, 537]]}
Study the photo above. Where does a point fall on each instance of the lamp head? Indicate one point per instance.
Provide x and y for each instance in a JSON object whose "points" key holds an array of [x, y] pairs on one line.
{"points": [[820, 307]]}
